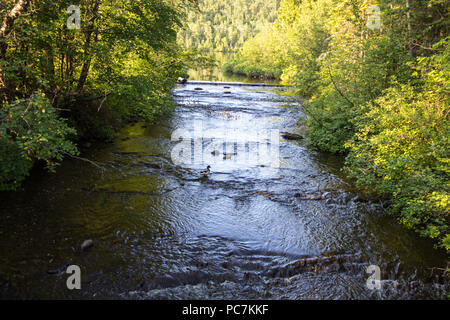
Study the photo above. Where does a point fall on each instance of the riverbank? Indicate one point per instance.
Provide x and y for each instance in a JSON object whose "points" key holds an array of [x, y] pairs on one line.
{"points": [[238, 66], [375, 94]]}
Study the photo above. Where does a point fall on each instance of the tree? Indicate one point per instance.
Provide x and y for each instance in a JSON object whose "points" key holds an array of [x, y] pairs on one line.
{"points": [[6, 28], [378, 97], [90, 79]]}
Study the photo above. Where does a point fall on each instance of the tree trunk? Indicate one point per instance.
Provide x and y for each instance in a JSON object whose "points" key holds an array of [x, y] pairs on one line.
{"points": [[86, 65], [5, 29], [408, 20], [11, 17], [87, 48]]}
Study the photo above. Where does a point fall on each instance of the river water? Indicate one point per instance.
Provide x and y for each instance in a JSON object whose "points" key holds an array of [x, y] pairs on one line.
{"points": [[273, 220]]}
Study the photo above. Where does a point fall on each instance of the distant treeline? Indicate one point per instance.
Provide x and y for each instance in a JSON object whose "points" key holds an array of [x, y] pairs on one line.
{"points": [[225, 25], [377, 84]]}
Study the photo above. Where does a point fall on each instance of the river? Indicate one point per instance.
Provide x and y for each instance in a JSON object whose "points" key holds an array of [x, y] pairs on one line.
{"points": [[273, 220]]}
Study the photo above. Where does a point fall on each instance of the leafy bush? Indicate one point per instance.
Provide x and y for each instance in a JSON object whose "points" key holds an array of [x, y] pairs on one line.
{"points": [[250, 70], [30, 130], [329, 121], [402, 150], [121, 65]]}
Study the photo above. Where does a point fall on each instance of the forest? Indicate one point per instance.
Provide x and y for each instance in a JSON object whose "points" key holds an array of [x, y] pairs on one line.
{"points": [[376, 81], [226, 25]]}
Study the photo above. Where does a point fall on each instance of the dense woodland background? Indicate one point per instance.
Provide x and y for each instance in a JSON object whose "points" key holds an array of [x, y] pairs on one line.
{"points": [[226, 25], [379, 97]]}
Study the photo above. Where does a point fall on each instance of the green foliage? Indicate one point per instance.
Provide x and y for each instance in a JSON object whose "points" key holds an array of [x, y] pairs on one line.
{"points": [[30, 130], [288, 48], [255, 59], [226, 25], [380, 97], [402, 149], [121, 65], [446, 242], [329, 125]]}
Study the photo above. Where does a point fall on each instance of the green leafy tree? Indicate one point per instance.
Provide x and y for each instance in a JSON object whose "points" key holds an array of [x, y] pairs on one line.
{"points": [[377, 96], [121, 65]]}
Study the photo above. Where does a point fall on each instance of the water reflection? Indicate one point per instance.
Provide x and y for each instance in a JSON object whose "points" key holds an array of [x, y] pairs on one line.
{"points": [[217, 73]]}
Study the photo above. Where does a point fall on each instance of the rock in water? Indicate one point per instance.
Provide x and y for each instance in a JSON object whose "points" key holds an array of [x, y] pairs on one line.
{"points": [[291, 136], [182, 80], [86, 245]]}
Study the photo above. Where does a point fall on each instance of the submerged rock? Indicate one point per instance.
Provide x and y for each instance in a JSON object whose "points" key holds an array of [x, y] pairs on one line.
{"points": [[87, 244], [386, 205], [291, 136], [150, 165], [53, 271], [313, 196], [59, 270]]}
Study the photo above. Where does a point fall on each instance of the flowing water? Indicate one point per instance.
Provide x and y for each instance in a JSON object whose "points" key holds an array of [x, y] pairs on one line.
{"points": [[263, 225]]}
